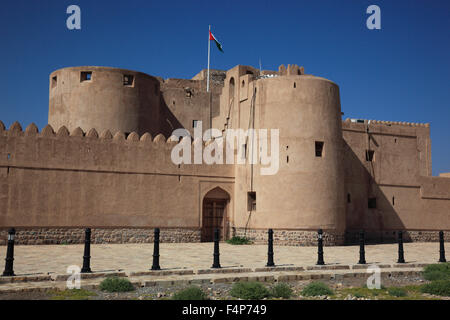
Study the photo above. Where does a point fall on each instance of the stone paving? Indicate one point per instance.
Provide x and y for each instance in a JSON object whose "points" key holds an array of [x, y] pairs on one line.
{"points": [[38, 259]]}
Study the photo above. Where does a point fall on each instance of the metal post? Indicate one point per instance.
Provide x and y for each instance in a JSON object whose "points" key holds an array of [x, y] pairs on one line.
{"points": [[320, 245], [87, 252], [441, 247], [155, 265], [270, 262], [9, 271], [401, 258], [362, 252], [216, 263]]}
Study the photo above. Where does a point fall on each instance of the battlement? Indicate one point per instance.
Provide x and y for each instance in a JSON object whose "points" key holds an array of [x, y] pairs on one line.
{"points": [[388, 123], [93, 152]]}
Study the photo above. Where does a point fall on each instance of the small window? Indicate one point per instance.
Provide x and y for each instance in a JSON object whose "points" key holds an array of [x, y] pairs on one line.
{"points": [[85, 76], [195, 123], [295, 85], [369, 155], [244, 152], [372, 203], [128, 80], [287, 159], [54, 81], [393, 200], [319, 148], [349, 198], [251, 201], [243, 83]]}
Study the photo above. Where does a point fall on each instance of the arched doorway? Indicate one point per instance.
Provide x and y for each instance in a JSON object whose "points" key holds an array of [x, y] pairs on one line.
{"points": [[215, 204]]}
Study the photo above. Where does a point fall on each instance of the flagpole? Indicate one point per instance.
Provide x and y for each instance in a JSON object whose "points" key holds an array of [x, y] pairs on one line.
{"points": [[209, 44]]}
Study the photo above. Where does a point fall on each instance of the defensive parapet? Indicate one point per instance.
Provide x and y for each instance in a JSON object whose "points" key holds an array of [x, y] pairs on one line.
{"points": [[76, 178]]}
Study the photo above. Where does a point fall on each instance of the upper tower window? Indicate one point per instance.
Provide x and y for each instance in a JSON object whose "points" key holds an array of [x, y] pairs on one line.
{"points": [[85, 76], [319, 148], [54, 81], [128, 80]]}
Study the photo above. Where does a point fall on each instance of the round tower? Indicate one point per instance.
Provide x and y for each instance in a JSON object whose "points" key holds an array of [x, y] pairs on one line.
{"points": [[104, 98], [307, 193]]}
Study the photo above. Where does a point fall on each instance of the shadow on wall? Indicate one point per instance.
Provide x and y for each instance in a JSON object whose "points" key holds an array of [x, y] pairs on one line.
{"points": [[368, 208]]}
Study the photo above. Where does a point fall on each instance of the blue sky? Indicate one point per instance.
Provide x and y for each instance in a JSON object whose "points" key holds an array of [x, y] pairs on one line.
{"points": [[398, 73]]}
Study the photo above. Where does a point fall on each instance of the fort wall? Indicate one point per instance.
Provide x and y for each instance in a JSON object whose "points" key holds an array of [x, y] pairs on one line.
{"points": [[398, 178], [72, 179]]}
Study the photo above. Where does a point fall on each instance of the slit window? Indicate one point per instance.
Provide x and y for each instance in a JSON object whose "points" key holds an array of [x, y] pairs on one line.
{"points": [[372, 203], [54, 81], [319, 148], [393, 200], [85, 76], [194, 123], [128, 80], [369, 155], [244, 152], [251, 196], [349, 198]]}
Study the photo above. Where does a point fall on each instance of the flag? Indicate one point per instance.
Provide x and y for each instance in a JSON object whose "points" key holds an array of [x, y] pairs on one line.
{"points": [[211, 37]]}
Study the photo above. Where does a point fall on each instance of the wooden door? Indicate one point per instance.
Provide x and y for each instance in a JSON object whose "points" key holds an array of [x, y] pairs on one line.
{"points": [[213, 217]]}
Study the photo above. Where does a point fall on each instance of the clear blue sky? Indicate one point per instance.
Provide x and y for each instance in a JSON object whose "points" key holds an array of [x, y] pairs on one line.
{"points": [[398, 73]]}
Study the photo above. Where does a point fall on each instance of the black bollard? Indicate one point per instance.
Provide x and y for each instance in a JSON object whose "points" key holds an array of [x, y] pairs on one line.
{"points": [[87, 252], [270, 262], [401, 258], [320, 261], [441, 247], [9, 270], [155, 265], [216, 262], [362, 252]]}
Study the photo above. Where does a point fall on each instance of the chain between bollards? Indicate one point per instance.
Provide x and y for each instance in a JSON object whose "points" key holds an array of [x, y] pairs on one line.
{"points": [[401, 258], [216, 262], [155, 265], [320, 261], [87, 252], [362, 252], [441, 247], [9, 261], [270, 262]]}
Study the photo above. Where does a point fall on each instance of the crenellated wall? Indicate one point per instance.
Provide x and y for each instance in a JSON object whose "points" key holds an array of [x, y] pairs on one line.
{"points": [[75, 179]]}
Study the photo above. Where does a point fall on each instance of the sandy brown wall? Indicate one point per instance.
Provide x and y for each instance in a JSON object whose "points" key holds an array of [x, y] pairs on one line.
{"points": [[71, 180], [399, 177]]}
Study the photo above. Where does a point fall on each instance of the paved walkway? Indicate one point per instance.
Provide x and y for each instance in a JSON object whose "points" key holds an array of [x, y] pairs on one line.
{"points": [[138, 257]]}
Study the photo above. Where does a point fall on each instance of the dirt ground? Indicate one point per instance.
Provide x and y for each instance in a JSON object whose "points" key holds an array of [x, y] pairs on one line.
{"points": [[345, 289]]}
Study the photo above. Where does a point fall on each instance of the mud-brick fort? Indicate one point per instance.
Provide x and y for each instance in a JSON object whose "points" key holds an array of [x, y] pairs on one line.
{"points": [[104, 161]]}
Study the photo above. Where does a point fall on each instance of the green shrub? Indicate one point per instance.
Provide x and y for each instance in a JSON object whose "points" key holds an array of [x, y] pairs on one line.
{"points": [[397, 292], [281, 290], [249, 290], [71, 294], [439, 271], [190, 293], [438, 287], [116, 284], [317, 289], [239, 240]]}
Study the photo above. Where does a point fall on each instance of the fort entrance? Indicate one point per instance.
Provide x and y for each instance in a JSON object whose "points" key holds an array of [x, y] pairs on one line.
{"points": [[215, 205]]}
